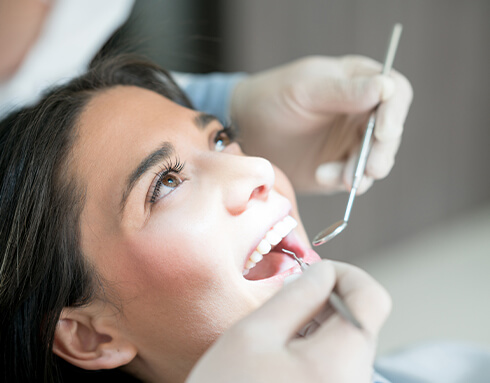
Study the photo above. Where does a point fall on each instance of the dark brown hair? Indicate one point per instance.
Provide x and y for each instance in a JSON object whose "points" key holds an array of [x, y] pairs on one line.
{"points": [[42, 268]]}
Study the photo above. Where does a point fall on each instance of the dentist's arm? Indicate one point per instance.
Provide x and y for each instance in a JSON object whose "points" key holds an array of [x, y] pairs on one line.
{"points": [[263, 346]]}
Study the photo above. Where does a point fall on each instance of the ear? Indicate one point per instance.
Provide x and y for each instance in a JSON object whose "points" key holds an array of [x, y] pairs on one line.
{"points": [[89, 338]]}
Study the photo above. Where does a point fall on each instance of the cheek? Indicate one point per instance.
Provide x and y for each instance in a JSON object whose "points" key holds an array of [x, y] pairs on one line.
{"points": [[283, 186], [168, 267], [178, 254], [179, 289]]}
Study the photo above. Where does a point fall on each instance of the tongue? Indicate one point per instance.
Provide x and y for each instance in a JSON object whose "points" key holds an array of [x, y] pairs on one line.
{"points": [[273, 263]]}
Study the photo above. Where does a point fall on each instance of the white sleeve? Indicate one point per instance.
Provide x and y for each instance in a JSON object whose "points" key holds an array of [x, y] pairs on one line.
{"points": [[72, 34]]}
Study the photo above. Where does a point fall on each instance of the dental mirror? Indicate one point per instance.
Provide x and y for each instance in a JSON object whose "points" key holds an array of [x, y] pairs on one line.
{"points": [[329, 233], [335, 229]]}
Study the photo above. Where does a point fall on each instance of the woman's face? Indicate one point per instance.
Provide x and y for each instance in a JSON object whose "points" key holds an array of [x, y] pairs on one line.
{"points": [[173, 212]]}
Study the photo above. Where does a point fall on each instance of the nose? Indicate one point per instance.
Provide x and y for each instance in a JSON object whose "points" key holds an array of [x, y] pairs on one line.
{"points": [[250, 179]]}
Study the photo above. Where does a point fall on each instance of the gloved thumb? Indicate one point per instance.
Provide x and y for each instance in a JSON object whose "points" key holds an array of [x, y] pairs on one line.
{"points": [[329, 176]]}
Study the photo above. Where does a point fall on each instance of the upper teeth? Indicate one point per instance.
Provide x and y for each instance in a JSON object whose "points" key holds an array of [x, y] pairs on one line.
{"points": [[271, 238]]}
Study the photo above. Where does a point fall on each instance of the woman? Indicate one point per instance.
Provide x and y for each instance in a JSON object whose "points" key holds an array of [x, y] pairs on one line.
{"points": [[134, 231]]}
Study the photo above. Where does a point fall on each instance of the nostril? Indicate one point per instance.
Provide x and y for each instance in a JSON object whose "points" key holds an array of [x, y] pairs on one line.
{"points": [[248, 180], [260, 192]]}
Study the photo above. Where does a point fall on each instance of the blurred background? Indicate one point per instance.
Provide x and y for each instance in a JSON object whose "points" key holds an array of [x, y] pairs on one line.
{"points": [[424, 232]]}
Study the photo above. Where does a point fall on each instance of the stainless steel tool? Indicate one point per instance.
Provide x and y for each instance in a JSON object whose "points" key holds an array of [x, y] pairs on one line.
{"points": [[334, 300], [339, 226]]}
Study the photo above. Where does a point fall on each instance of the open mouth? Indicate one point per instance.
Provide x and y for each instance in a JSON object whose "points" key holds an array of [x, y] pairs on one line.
{"points": [[268, 259]]}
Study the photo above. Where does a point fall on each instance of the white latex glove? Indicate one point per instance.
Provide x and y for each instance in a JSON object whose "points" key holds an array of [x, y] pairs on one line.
{"points": [[263, 347], [309, 116]]}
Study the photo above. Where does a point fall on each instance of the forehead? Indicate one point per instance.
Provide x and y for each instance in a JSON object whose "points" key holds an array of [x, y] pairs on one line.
{"points": [[116, 130], [128, 110], [122, 124]]}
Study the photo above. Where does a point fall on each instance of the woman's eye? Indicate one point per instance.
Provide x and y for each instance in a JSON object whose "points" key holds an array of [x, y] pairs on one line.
{"points": [[223, 138], [165, 185]]}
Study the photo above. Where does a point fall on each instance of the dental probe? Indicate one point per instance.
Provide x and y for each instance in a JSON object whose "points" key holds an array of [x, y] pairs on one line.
{"points": [[335, 301], [339, 226]]}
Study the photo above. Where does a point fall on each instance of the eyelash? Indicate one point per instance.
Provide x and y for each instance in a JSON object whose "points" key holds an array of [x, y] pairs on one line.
{"points": [[177, 166]]}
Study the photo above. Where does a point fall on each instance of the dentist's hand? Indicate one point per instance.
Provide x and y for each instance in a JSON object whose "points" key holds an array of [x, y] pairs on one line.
{"points": [[308, 117], [263, 347]]}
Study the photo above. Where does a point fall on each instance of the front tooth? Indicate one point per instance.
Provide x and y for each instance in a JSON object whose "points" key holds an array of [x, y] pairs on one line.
{"points": [[264, 247], [250, 264], [256, 257], [273, 238], [290, 222], [282, 229]]}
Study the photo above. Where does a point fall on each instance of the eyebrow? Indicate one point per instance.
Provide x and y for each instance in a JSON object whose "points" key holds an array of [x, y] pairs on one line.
{"points": [[203, 119], [163, 153]]}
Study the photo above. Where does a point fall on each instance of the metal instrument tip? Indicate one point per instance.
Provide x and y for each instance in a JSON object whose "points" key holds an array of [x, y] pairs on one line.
{"points": [[301, 263]]}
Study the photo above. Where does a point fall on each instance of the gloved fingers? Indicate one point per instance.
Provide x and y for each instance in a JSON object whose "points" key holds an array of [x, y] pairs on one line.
{"points": [[382, 158], [355, 65], [338, 176], [348, 175], [276, 320], [366, 298], [330, 176], [345, 94], [392, 112], [395, 97], [365, 67], [370, 304]]}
